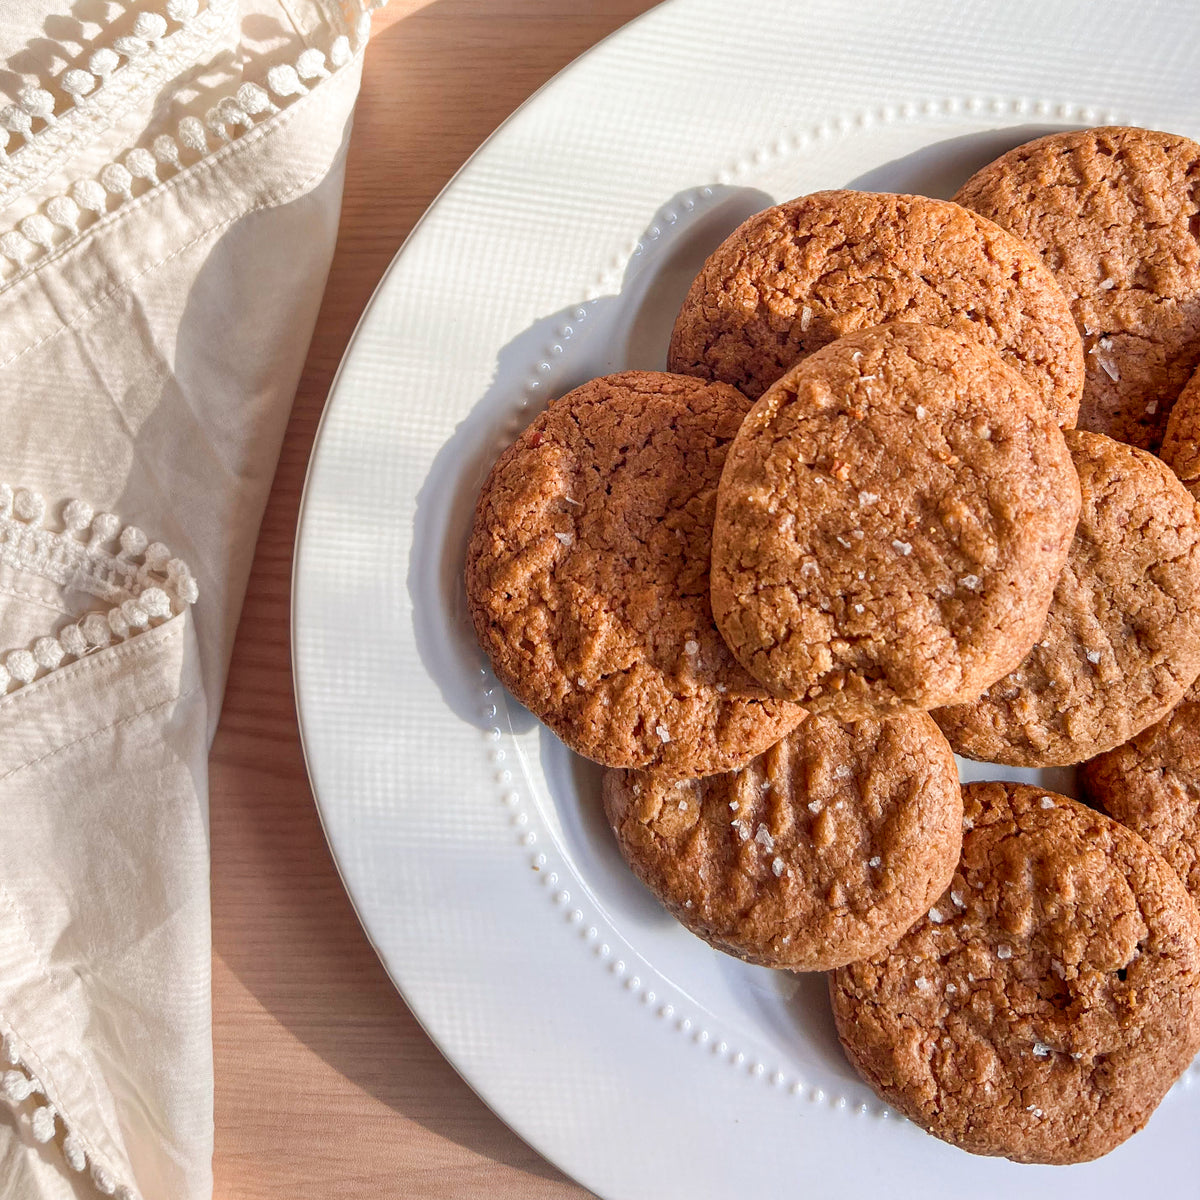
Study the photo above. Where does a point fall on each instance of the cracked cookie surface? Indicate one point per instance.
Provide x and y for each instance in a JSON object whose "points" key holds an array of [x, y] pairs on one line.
{"points": [[822, 850], [1152, 784], [1115, 213], [1122, 640], [587, 577], [795, 277], [890, 524], [1049, 1000]]}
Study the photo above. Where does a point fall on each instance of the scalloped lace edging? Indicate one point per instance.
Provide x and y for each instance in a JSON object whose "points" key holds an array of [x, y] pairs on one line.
{"points": [[66, 217], [28, 1096], [141, 581], [52, 117]]}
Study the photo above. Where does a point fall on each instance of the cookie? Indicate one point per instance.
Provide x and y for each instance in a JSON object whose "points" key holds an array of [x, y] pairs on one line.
{"points": [[1152, 784], [1181, 442], [890, 523], [1115, 214], [795, 277], [1122, 639], [587, 577], [1051, 997], [822, 850]]}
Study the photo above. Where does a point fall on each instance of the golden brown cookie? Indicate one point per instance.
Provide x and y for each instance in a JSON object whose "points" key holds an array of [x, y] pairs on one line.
{"points": [[1115, 213], [1152, 784], [822, 850], [1122, 639], [587, 577], [890, 524], [1051, 997], [1181, 442], [793, 278]]}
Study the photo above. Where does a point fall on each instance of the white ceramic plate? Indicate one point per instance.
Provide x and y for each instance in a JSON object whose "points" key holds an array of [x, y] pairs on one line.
{"points": [[471, 842]]}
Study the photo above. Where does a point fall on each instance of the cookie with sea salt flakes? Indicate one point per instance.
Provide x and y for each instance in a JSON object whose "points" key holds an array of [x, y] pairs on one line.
{"points": [[891, 521], [1050, 998], [1152, 785], [1122, 639], [822, 850], [795, 277], [587, 577], [1114, 212]]}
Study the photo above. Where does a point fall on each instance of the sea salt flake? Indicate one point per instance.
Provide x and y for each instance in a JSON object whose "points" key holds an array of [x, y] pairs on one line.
{"points": [[1037, 1112], [865, 498], [777, 866], [867, 378], [971, 582], [1004, 952], [683, 806], [845, 542], [762, 835], [809, 568], [814, 806], [956, 898], [581, 681], [805, 318], [935, 915], [900, 547], [687, 904], [1106, 284], [857, 535], [921, 983], [691, 646], [565, 538], [1109, 368], [572, 500], [875, 863], [1093, 656], [951, 990], [1151, 408], [733, 805], [722, 688], [920, 412], [663, 732], [1041, 1050], [1105, 343], [858, 608], [1046, 802]]}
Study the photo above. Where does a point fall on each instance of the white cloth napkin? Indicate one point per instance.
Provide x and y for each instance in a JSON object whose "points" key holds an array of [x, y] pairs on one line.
{"points": [[170, 181]]}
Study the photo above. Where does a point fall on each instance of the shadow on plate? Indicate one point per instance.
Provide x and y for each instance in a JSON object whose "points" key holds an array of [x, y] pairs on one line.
{"points": [[941, 168]]}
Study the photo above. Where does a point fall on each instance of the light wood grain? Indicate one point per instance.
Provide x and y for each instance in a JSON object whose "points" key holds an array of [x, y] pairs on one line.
{"points": [[325, 1084]]}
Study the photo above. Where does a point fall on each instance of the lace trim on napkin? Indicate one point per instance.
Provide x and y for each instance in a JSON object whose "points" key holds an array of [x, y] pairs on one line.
{"points": [[21, 1087], [66, 217], [48, 121], [141, 581], [24, 1091]]}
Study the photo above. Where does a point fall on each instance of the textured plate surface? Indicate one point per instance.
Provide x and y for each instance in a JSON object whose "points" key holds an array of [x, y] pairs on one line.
{"points": [[470, 840]]}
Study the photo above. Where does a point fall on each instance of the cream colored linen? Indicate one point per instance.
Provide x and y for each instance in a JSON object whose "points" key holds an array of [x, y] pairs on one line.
{"points": [[164, 242]]}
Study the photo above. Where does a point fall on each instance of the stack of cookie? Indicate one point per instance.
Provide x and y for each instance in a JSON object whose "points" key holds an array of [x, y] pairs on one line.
{"points": [[855, 530]]}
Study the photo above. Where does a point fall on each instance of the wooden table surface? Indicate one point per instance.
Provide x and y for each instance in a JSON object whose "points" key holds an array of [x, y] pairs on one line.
{"points": [[325, 1084]]}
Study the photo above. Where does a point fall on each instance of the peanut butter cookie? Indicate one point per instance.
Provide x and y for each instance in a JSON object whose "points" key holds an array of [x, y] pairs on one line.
{"points": [[890, 524], [822, 850], [587, 577], [1050, 998], [1115, 214], [1122, 639], [795, 277], [1152, 784]]}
